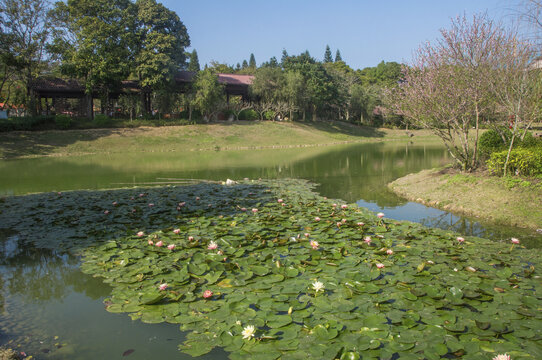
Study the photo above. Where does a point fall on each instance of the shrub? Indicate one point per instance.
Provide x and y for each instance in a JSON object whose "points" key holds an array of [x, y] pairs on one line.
{"points": [[102, 120], [489, 142], [63, 121], [249, 114], [269, 115], [523, 161]]}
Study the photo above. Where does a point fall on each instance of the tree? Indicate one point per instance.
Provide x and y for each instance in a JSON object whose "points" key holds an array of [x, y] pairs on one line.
{"points": [[245, 64], [252, 61], [446, 88], [344, 79], [338, 56], [327, 55], [193, 63], [209, 93], [94, 39], [24, 30], [268, 84]]}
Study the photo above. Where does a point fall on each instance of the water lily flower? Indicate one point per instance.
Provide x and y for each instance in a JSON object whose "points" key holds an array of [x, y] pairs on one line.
{"points": [[212, 245], [150, 242], [254, 210], [151, 205], [367, 240], [455, 269], [190, 238], [197, 198], [339, 224], [380, 265], [389, 252], [344, 206], [163, 287], [115, 203], [283, 204], [132, 198], [317, 219], [159, 243], [133, 210], [307, 235], [177, 231], [514, 241], [318, 286], [314, 244], [59, 193], [238, 322], [106, 212], [460, 239], [280, 201], [182, 203], [141, 195], [248, 332], [380, 215], [502, 357], [361, 223], [140, 234], [207, 294], [171, 246], [334, 205]]}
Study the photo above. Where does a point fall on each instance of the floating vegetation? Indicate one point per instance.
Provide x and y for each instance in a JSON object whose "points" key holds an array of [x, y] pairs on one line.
{"points": [[270, 270]]}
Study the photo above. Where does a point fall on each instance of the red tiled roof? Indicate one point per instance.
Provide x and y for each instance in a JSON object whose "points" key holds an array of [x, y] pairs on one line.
{"points": [[234, 79]]}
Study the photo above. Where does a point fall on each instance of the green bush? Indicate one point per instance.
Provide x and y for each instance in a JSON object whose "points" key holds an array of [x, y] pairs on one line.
{"points": [[102, 120], [489, 142], [249, 114], [523, 161], [269, 115], [63, 121]]}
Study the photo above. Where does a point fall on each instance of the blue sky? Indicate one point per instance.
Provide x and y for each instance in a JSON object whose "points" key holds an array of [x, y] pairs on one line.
{"points": [[365, 31]]}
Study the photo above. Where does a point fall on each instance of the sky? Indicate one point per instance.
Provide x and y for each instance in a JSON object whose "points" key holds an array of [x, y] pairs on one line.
{"points": [[365, 31]]}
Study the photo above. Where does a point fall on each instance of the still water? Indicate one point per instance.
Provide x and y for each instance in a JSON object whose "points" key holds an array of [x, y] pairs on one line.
{"points": [[51, 310]]}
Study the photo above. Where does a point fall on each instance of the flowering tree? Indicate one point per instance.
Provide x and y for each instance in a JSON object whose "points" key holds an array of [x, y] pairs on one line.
{"points": [[446, 89]]}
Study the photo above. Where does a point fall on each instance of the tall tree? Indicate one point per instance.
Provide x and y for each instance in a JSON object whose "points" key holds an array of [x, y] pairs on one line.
{"points": [[24, 30], [327, 55], [338, 56], [245, 64], [209, 93], [252, 61], [193, 63]]}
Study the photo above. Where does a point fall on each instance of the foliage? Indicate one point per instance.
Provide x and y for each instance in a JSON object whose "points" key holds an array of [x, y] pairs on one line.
{"points": [[28, 123], [252, 61], [248, 114], [193, 62], [521, 161], [338, 56], [209, 94], [482, 297], [327, 55], [63, 121], [102, 120], [491, 141]]}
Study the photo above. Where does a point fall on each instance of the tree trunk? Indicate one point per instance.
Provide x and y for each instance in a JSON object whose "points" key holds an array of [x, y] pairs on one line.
{"points": [[474, 155]]}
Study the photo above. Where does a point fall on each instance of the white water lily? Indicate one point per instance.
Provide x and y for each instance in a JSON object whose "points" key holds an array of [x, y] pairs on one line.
{"points": [[248, 332], [318, 286], [502, 357]]}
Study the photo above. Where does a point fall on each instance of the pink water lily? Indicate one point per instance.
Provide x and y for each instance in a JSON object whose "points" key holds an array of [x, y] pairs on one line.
{"points": [[141, 195], [317, 219], [460, 239], [343, 221], [314, 244], [140, 234], [339, 224], [334, 205], [380, 265], [150, 242], [106, 212], [254, 210], [380, 215], [151, 205], [177, 231], [283, 204], [307, 235], [361, 223], [171, 246], [197, 198], [389, 252], [190, 238], [159, 243], [163, 287], [344, 206], [115, 203], [514, 241], [212, 245], [182, 203], [502, 357], [367, 240], [280, 201], [207, 294]]}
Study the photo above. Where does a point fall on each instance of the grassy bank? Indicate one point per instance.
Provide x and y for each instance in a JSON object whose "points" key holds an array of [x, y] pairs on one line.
{"points": [[222, 136], [506, 201]]}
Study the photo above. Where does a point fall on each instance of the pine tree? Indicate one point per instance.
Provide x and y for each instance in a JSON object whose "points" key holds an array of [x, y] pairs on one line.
{"points": [[237, 67], [252, 61], [327, 55], [245, 64], [284, 57], [338, 56], [193, 64]]}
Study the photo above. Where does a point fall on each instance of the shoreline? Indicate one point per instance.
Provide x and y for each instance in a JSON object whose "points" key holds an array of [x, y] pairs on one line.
{"points": [[488, 198]]}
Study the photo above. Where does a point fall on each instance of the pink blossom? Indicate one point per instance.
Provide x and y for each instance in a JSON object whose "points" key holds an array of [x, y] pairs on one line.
{"points": [[207, 294], [150, 242], [190, 238], [317, 219], [254, 210], [283, 204], [460, 239], [334, 205], [380, 215], [181, 204], [514, 241], [106, 212], [141, 195], [177, 231], [171, 246], [163, 287], [502, 357], [389, 252], [132, 198], [343, 221], [314, 244], [361, 224], [59, 193], [344, 206], [280, 201], [159, 243], [380, 265], [367, 239], [140, 234], [339, 224], [212, 245], [151, 205], [243, 209], [307, 235], [197, 198], [133, 210], [115, 203]]}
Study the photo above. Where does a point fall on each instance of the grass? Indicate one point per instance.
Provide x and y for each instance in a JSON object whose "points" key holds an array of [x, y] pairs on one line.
{"points": [[507, 201], [242, 135]]}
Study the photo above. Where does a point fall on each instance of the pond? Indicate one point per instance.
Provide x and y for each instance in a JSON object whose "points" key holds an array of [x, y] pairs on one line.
{"points": [[51, 310]]}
